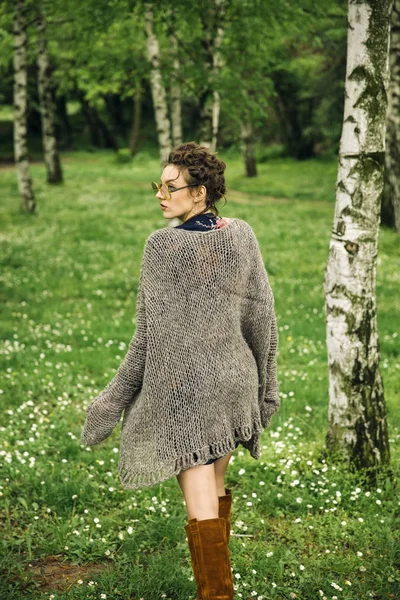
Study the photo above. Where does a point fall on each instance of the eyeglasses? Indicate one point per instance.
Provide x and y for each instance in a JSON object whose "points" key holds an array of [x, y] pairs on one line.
{"points": [[166, 192]]}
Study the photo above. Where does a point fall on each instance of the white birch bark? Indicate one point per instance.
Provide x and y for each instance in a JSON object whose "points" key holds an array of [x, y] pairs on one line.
{"points": [[157, 86], [175, 94], [51, 155], [210, 108], [216, 109], [217, 65], [357, 411], [390, 214], [28, 203], [206, 119]]}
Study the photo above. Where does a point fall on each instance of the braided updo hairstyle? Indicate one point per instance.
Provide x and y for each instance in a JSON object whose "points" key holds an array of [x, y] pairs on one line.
{"points": [[198, 165]]}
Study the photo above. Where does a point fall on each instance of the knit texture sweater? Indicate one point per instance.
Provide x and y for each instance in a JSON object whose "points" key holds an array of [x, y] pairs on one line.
{"points": [[200, 371]]}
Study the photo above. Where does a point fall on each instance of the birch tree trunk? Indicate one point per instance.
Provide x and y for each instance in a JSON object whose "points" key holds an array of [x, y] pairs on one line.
{"points": [[357, 410], [51, 155], [206, 118], [175, 94], [390, 213], [28, 203], [157, 86], [213, 26], [216, 108]]}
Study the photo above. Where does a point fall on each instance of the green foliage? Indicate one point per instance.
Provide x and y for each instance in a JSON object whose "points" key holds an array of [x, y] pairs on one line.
{"points": [[6, 38], [303, 527], [283, 66]]}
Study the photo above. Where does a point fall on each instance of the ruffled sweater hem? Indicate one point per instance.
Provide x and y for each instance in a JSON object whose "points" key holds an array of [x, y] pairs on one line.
{"points": [[247, 436]]}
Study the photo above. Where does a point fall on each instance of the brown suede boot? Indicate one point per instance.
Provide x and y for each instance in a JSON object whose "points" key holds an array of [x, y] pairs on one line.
{"points": [[193, 560], [210, 558], [225, 503], [225, 509]]}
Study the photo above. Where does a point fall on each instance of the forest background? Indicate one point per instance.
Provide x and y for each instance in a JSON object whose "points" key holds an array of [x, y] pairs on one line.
{"points": [[269, 99]]}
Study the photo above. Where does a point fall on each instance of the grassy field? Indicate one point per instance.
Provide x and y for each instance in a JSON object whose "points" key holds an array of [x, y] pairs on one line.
{"points": [[302, 527]]}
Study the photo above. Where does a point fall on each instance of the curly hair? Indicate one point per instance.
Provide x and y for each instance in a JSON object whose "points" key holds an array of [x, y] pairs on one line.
{"points": [[198, 165]]}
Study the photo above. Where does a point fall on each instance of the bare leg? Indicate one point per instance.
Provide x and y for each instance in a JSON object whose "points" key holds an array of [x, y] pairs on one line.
{"points": [[220, 467], [199, 488]]}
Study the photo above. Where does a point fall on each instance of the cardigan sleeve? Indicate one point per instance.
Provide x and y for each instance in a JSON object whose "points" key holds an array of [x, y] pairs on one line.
{"points": [[259, 328], [270, 401], [105, 411]]}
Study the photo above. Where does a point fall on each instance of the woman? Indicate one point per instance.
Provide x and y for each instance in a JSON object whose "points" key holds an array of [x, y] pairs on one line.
{"points": [[200, 373]]}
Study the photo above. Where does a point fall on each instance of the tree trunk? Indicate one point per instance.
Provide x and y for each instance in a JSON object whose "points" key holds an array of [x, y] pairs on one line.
{"points": [[96, 125], [51, 155], [246, 132], [213, 32], [357, 411], [206, 118], [390, 211], [28, 203], [157, 86], [133, 142], [175, 92], [216, 108]]}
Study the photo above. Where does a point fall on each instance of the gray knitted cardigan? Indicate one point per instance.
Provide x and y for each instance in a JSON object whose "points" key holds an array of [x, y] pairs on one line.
{"points": [[200, 371]]}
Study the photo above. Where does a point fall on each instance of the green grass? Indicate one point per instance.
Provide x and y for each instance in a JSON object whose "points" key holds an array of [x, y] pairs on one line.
{"points": [[69, 283]]}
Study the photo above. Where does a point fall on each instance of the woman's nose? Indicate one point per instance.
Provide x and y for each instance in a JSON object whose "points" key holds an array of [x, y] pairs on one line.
{"points": [[160, 196]]}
